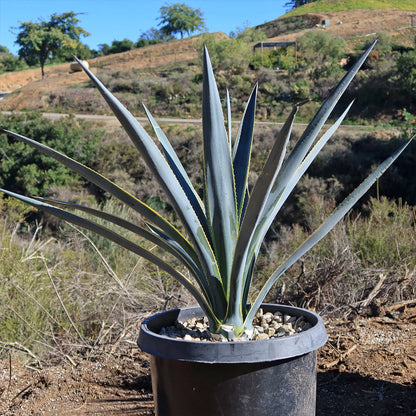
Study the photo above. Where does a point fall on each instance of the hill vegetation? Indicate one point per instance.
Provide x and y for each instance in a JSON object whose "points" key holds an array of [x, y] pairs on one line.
{"points": [[337, 6]]}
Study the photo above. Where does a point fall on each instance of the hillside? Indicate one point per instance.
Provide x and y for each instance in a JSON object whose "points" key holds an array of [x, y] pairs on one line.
{"points": [[163, 54], [348, 24], [28, 89], [337, 5]]}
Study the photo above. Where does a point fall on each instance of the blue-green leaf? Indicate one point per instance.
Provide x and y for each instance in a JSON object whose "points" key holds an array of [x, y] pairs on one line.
{"points": [[121, 241], [229, 121], [166, 243], [219, 178], [242, 150], [148, 213], [179, 172], [245, 252], [163, 173], [325, 228], [312, 130], [275, 200]]}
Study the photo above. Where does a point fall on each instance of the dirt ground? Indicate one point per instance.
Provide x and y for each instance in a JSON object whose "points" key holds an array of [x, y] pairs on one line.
{"points": [[368, 367]]}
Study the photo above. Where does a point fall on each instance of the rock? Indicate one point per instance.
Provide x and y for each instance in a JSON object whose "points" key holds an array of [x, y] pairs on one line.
{"points": [[262, 336], [259, 329], [200, 325], [265, 326], [281, 332], [270, 332]]}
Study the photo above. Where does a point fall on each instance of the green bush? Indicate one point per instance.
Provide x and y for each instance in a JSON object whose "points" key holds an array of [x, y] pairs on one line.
{"points": [[384, 42], [406, 70], [231, 55], [117, 46], [9, 62], [300, 90], [26, 170], [280, 58], [317, 45]]}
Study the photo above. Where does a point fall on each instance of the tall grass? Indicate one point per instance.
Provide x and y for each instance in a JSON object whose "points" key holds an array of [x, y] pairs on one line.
{"points": [[67, 301]]}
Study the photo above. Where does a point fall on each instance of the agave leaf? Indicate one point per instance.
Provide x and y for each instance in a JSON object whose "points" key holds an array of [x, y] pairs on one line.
{"points": [[164, 175], [275, 202], [148, 213], [212, 288], [246, 291], [312, 130], [229, 121], [157, 237], [166, 243], [219, 178], [272, 207], [242, 150], [240, 275], [121, 241], [179, 172], [325, 228]]}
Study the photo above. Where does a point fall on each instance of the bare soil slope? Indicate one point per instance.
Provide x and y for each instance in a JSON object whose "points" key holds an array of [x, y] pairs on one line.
{"points": [[28, 88]]}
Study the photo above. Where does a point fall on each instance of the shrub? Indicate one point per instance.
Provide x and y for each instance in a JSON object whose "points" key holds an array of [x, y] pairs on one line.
{"points": [[230, 55], [300, 90], [317, 45], [10, 63], [30, 172], [384, 42], [406, 70]]}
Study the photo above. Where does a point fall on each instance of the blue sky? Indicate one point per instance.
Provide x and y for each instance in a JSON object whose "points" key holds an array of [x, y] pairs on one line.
{"points": [[107, 20]]}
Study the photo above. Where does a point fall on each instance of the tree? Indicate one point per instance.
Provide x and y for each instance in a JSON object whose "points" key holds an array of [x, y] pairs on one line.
{"points": [[153, 34], [292, 4], [43, 40], [9, 62], [117, 46], [180, 18]]}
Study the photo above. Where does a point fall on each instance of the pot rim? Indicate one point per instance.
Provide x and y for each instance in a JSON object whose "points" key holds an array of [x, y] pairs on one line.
{"points": [[235, 351]]}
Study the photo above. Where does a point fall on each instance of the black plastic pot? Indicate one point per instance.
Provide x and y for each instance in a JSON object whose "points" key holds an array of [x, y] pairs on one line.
{"points": [[269, 377]]}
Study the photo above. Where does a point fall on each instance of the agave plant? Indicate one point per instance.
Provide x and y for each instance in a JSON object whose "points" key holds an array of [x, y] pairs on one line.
{"points": [[224, 228]]}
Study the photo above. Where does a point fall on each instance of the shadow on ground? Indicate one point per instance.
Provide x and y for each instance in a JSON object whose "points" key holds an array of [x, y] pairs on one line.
{"points": [[352, 394]]}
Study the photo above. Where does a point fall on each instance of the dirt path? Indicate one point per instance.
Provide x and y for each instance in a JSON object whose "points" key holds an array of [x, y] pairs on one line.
{"points": [[368, 367]]}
